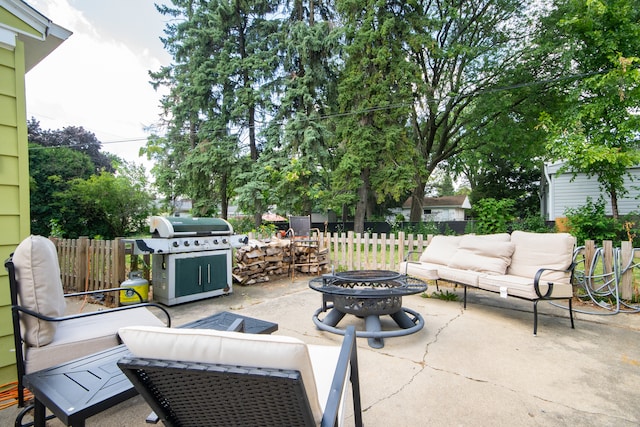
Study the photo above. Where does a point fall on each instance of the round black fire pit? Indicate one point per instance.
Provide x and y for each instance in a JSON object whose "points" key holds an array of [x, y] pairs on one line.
{"points": [[368, 294]]}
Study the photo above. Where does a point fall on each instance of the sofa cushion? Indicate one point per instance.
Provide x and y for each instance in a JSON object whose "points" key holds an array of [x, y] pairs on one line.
{"points": [[455, 275], [440, 249], [423, 270], [534, 251], [39, 288], [232, 348], [484, 255], [83, 336], [522, 286]]}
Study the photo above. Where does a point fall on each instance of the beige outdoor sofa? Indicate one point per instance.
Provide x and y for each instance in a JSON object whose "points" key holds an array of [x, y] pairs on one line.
{"points": [[530, 266]]}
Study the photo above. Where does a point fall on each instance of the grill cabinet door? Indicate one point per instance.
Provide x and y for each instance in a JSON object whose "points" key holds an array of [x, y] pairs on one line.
{"points": [[200, 274]]}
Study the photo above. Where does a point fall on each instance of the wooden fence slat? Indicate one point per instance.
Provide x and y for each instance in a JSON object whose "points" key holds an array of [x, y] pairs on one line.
{"points": [[626, 281]]}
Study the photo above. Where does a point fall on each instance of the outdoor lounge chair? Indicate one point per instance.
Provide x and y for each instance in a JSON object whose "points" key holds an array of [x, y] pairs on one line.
{"points": [[305, 244], [43, 335], [198, 377]]}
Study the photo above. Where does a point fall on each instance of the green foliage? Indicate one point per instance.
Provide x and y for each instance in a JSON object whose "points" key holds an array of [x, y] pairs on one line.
{"points": [[51, 172], [590, 222], [424, 228], [104, 205], [242, 224], [597, 131], [534, 223], [493, 216], [445, 295]]}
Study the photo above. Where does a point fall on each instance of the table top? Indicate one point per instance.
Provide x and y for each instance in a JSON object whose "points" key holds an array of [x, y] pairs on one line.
{"points": [[78, 389], [221, 321], [367, 284]]}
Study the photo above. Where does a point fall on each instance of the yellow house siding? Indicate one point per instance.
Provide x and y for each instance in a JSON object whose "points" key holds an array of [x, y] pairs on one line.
{"points": [[14, 187], [13, 21]]}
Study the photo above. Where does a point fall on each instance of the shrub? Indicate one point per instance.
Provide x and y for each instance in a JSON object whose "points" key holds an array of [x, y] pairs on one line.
{"points": [[590, 222], [493, 216]]}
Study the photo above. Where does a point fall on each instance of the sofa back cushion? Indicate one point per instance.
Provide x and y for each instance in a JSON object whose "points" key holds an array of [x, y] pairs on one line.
{"points": [[39, 288], [223, 347], [441, 249], [534, 251], [485, 254]]}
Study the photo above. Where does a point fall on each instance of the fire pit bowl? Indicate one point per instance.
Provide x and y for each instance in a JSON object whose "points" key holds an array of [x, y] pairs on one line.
{"points": [[368, 294]]}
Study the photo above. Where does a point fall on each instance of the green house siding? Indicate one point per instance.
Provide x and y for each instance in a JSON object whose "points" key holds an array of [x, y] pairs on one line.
{"points": [[14, 187]]}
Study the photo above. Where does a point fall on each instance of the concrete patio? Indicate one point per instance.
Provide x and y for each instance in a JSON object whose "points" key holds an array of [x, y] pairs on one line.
{"points": [[476, 367]]}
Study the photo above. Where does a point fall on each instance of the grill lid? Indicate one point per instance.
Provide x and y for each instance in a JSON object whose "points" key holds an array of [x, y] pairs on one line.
{"points": [[167, 227]]}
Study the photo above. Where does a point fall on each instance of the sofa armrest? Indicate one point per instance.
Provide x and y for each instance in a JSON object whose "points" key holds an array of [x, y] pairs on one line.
{"points": [[407, 260], [407, 257], [540, 272]]}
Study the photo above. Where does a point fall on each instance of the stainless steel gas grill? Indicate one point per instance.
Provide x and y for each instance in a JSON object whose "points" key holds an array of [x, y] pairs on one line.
{"points": [[191, 257]]}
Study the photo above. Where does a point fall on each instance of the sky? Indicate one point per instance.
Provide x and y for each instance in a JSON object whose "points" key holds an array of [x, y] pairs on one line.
{"points": [[98, 78]]}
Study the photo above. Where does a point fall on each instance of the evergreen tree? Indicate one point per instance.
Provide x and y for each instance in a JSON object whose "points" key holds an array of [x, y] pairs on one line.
{"points": [[374, 100]]}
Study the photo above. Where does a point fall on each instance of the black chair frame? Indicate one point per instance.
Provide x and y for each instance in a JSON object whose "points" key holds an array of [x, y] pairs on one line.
{"points": [[191, 394]]}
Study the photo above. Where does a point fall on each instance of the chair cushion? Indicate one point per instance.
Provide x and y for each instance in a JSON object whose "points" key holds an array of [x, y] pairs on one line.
{"points": [[39, 288], [534, 251], [230, 348], [80, 337], [484, 255]]}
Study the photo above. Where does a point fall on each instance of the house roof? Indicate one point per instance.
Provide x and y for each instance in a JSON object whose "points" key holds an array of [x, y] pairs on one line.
{"points": [[442, 202], [38, 33]]}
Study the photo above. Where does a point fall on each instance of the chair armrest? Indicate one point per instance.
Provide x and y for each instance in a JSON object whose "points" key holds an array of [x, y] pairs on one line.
{"points": [[102, 291], [347, 362], [539, 273], [92, 313]]}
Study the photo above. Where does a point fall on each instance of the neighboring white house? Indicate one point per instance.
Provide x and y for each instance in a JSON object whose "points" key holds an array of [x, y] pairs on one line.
{"points": [[447, 208], [560, 191]]}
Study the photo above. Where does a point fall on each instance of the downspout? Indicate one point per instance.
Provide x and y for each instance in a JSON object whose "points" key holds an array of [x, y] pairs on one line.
{"points": [[549, 202]]}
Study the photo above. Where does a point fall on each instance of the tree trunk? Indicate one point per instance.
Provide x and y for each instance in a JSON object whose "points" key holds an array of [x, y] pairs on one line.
{"points": [[361, 204], [614, 203], [417, 200], [224, 199]]}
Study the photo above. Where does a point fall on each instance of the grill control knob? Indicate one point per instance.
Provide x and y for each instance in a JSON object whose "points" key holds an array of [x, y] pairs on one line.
{"points": [[196, 242], [215, 241], [224, 241], [176, 244], [186, 243]]}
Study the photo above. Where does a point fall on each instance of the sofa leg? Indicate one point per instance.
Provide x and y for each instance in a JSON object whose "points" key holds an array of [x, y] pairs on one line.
{"points": [[571, 313], [465, 297], [535, 317]]}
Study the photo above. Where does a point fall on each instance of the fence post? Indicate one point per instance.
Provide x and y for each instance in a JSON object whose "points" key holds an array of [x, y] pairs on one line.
{"points": [[589, 252], [81, 254], [607, 257], [626, 281], [350, 250]]}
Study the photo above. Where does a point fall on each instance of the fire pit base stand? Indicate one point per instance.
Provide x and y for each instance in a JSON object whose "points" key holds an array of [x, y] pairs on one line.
{"points": [[368, 294], [374, 333]]}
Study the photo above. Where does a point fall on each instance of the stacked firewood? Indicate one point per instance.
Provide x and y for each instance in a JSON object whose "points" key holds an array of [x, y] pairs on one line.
{"points": [[309, 258], [258, 261]]}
